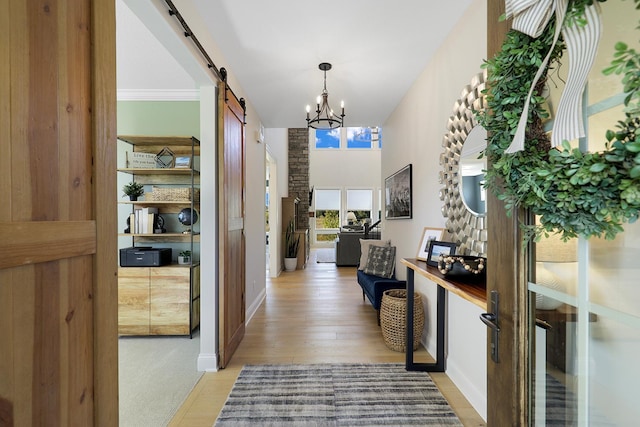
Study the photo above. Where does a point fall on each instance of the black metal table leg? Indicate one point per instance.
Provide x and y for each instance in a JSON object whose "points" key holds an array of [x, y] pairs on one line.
{"points": [[439, 365]]}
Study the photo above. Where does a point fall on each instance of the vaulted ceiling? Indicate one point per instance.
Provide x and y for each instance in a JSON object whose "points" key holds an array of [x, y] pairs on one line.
{"points": [[377, 49]]}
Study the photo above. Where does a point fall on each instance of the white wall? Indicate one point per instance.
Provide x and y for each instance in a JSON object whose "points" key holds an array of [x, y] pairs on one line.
{"points": [[413, 134], [277, 142], [344, 168]]}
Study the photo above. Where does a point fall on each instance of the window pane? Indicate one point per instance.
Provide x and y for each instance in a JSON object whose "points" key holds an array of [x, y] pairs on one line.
{"points": [[327, 219], [358, 137], [362, 137], [614, 271], [328, 138], [327, 206], [327, 199], [359, 200]]}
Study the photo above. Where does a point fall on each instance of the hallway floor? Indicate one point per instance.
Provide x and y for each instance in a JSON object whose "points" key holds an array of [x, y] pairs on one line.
{"points": [[315, 315]]}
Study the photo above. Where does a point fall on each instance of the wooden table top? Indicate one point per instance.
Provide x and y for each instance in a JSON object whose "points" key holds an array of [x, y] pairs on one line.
{"points": [[474, 292]]}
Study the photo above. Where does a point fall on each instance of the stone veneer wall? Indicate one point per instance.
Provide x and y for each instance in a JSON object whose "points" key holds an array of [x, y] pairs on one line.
{"points": [[299, 172]]}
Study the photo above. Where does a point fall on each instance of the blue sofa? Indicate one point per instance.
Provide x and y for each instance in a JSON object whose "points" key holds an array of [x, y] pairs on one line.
{"points": [[373, 287]]}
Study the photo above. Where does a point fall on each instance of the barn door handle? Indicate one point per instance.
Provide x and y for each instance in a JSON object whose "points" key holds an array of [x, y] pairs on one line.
{"points": [[491, 320]]}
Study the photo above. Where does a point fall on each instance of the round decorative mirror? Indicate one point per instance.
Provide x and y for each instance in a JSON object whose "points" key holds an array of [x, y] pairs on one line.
{"points": [[462, 172], [472, 167]]}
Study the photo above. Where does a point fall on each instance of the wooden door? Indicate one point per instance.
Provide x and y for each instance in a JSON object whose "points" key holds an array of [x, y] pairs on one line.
{"points": [[231, 165], [58, 264], [507, 391]]}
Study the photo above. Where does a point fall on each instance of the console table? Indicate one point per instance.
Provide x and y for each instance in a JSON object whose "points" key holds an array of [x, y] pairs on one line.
{"points": [[475, 293]]}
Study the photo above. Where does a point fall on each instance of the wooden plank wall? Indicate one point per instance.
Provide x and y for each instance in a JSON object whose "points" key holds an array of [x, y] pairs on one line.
{"points": [[54, 126]]}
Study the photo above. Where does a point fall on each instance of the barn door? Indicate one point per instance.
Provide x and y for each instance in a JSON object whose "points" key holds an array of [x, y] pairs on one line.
{"points": [[231, 164], [58, 285]]}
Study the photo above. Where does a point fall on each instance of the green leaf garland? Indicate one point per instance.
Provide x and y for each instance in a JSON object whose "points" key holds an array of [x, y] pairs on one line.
{"points": [[574, 193]]}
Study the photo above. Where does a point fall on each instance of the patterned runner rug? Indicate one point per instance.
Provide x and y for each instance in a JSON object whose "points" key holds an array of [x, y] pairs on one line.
{"points": [[335, 395]]}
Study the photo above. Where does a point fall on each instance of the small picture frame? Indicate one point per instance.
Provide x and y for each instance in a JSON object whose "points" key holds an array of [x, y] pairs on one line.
{"points": [[165, 158], [182, 162], [438, 248], [429, 235]]}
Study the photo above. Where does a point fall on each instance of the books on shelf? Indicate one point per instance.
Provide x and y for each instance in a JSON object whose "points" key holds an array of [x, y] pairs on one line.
{"points": [[142, 220]]}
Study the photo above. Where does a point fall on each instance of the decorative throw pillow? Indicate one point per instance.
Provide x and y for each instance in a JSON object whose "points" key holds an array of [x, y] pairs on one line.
{"points": [[364, 250], [381, 262]]}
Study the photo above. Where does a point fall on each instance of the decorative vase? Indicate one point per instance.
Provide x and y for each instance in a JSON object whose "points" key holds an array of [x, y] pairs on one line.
{"points": [[184, 260], [290, 264]]}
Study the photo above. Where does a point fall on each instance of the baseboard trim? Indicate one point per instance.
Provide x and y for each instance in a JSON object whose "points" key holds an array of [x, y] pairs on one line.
{"points": [[476, 398], [253, 308], [208, 362]]}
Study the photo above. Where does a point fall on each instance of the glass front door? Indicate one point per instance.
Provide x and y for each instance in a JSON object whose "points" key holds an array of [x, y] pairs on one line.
{"points": [[587, 292]]}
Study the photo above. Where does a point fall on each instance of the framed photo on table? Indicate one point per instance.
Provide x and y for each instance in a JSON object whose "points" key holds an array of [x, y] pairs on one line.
{"points": [[429, 235], [438, 248]]}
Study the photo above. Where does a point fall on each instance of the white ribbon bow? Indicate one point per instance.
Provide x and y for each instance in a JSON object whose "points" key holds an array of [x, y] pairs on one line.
{"points": [[531, 17]]}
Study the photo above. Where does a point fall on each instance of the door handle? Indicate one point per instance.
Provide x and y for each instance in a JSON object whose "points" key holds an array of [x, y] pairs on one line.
{"points": [[544, 325], [491, 320]]}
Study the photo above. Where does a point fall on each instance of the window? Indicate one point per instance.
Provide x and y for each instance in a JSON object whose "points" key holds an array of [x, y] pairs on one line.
{"points": [[327, 138], [363, 137], [353, 137], [360, 202], [327, 207]]}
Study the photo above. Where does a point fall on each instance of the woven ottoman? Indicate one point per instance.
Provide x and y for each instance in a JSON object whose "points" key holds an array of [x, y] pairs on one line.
{"points": [[393, 321]]}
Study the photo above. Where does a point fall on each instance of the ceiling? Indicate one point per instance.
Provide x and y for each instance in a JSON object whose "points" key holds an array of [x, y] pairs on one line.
{"points": [[377, 48]]}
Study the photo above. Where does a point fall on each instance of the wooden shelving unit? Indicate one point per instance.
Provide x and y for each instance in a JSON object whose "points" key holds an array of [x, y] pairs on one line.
{"points": [[163, 300]]}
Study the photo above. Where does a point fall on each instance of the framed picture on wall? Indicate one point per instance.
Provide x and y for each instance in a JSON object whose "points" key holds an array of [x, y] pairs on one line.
{"points": [[438, 248], [397, 193], [429, 235]]}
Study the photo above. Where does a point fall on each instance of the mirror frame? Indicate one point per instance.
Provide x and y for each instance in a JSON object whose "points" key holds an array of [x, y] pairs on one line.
{"points": [[468, 229]]}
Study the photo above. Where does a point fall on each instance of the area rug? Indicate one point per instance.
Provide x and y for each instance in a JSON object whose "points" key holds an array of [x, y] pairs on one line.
{"points": [[335, 395], [326, 255], [156, 375]]}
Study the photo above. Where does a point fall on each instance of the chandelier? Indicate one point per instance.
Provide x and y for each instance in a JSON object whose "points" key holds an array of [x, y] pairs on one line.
{"points": [[324, 118]]}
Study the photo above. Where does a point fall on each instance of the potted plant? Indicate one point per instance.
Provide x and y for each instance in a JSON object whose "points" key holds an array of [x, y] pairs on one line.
{"points": [[291, 248], [133, 190], [184, 257]]}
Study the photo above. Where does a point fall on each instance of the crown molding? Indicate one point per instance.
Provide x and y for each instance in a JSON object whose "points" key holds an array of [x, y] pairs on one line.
{"points": [[158, 95]]}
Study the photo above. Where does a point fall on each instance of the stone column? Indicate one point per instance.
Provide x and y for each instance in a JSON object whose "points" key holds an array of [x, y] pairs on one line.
{"points": [[299, 172]]}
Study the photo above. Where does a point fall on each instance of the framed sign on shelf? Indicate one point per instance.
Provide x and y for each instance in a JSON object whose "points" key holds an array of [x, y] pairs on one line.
{"points": [[398, 194], [429, 235]]}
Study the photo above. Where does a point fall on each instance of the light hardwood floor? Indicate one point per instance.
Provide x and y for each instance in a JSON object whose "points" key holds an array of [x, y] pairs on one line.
{"points": [[315, 315]]}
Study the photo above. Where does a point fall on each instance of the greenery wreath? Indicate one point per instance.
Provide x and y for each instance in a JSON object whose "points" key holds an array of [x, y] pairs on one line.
{"points": [[574, 193]]}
